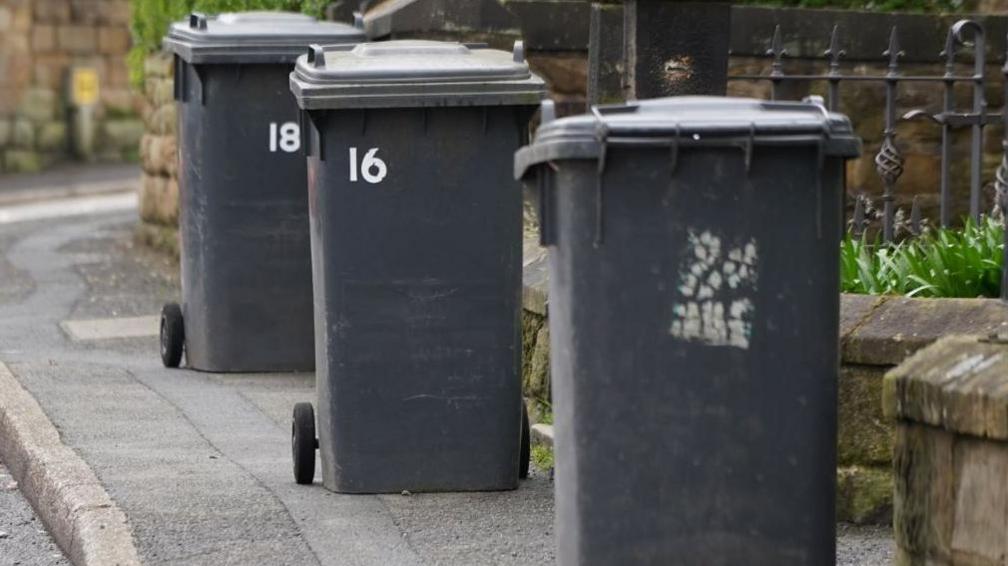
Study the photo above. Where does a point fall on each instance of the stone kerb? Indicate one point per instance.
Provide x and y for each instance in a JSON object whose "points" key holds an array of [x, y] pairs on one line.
{"points": [[949, 403]]}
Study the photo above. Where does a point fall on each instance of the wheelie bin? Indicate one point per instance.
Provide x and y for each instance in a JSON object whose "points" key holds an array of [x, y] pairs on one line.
{"points": [[416, 229], [693, 247], [246, 262]]}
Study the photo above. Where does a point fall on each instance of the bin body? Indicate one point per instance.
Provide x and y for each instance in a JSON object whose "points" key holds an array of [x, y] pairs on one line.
{"points": [[246, 261], [417, 282], [693, 321]]}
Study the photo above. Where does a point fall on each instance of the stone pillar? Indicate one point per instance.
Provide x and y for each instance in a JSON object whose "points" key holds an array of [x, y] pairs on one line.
{"points": [[668, 48], [950, 456]]}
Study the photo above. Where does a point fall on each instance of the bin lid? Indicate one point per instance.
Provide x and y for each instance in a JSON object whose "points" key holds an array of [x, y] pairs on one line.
{"points": [[414, 73], [690, 121], [254, 37]]}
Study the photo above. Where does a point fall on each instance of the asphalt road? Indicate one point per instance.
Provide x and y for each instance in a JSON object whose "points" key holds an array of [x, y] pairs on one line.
{"points": [[23, 539], [200, 463]]}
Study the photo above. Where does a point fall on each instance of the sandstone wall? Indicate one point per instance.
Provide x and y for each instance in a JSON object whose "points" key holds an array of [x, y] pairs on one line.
{"points": [[40, 42], [159, 195]]}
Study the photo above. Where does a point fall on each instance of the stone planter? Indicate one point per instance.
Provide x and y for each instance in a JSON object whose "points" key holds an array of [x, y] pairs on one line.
{"points": [[950, 405]]}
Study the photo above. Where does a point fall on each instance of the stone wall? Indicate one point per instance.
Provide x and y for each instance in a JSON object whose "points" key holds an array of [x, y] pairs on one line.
{"points": [[40, 42], [951, 454], [876, 334], [159, 194]]}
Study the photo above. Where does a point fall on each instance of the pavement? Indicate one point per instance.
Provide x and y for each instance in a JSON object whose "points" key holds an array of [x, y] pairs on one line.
{"points": [[199, 464]]}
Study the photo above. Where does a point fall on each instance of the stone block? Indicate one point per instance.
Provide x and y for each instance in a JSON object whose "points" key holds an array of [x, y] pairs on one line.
{"points": [[121, 134], [158, 155], [159, 90], [43, 38], [23, 135], [981, 500], [535, 357], [85, 11], [864, 494], [22, 161], [923, 496], [957, 384], [51, 136], [120, 102], [162, 120], [864, 436], [38, 104], [116, 73], [77, 39], [159, 200], [52, 11], [159, 65], [49, 71], [564, 73], [900, 326], [114, 12], [113, 40]]}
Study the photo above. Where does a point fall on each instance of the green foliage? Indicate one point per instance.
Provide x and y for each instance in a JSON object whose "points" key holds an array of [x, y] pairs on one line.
{"points": [[946, 262], [542, 457], [879, 5], [151, 19]]}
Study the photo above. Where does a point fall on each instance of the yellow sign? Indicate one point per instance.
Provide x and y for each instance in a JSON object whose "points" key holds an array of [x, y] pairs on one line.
{"points": [[84, 86]]}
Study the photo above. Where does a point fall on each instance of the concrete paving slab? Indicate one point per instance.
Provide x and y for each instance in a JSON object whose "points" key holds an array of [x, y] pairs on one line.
{"points": [[107, 328]]}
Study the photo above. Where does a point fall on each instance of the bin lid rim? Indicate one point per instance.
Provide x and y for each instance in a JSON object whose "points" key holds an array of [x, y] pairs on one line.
{"points": [[690, 121], [413, 73], [225, 37]]}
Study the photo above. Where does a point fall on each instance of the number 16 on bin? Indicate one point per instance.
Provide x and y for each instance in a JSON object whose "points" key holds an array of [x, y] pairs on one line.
{"points": [[372, 168]]}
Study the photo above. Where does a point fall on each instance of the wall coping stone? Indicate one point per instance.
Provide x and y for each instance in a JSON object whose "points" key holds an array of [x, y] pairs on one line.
{"points": [[806, 31], [960, 384]]}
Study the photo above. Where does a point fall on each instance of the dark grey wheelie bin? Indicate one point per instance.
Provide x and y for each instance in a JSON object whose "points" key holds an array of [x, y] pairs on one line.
{"points": [[693, 320], [246, 261], [416, 245]]}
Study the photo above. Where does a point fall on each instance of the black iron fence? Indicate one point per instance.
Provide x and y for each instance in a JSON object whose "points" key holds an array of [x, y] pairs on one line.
{"points": [[965, 38]]}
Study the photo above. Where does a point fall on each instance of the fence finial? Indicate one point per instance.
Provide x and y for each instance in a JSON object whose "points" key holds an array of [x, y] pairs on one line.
{"points": [[834, 52], [894, 53]]}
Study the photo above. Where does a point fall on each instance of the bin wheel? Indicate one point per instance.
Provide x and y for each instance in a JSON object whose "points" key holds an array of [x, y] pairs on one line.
{"points": [[526, 445], [304, 443], [172, 335]]}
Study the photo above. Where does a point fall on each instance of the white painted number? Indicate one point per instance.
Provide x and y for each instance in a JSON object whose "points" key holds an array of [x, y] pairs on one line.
{"points": [[372, 168], [289, 139]]}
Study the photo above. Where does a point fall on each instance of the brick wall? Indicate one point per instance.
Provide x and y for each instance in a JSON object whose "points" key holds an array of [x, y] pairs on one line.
{"points": [[40, 42]]}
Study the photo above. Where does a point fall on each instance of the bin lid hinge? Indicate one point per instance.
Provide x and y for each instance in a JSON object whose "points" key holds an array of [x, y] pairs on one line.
{"points": [[750, 143]]}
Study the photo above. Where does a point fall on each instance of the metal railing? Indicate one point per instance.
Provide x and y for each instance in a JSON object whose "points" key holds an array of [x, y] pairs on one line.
{"points": [[965, 35]]}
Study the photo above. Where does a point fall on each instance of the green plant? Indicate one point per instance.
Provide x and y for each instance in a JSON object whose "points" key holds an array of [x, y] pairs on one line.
{"points": [[946, 262], [151, 19], [542, 457]]}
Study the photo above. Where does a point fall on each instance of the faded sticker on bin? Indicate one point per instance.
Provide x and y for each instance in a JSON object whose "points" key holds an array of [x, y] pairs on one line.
{"points": [[716, 290]]}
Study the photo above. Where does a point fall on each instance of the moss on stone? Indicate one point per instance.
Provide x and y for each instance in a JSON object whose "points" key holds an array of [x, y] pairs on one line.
{"points": [[864, 494]]}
